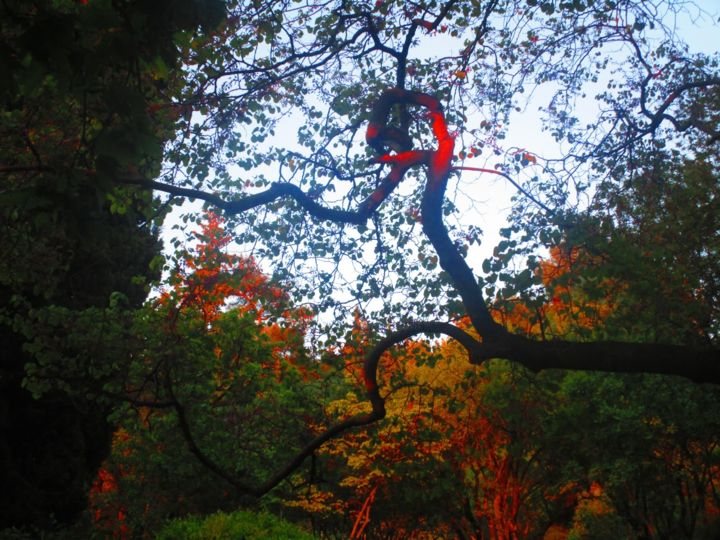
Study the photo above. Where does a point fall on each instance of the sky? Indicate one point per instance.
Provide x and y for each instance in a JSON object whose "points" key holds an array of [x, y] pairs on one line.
{"points": [[698, 27]]}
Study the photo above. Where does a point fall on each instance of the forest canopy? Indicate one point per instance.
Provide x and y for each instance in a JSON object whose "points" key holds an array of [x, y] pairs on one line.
{"points": [[333, 318]]}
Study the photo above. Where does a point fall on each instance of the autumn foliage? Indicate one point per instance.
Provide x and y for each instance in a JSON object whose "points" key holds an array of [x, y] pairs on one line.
{"points": [[474, 451], [230, 355], [477, 451]]}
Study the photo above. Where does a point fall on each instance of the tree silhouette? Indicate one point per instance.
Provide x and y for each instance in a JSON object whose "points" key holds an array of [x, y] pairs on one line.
{"points": [[268, 59], [361, 33]]}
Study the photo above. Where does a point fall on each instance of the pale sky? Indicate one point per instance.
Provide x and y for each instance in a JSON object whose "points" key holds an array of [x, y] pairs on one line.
{"points": [[493, 192]]}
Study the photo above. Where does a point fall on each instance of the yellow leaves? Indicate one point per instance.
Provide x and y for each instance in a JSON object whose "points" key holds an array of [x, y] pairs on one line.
{"points": [[315, 501], [370, 475], [350, 406]]}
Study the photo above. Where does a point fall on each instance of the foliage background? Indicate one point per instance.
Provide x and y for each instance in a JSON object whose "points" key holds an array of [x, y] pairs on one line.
{"points": [[199, 392]]}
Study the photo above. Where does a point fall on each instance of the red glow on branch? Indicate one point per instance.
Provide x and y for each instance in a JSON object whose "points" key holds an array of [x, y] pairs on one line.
{"points": [[427, 25], [478, 169], [370, 384], [429, 102], [403, 158], [442, 157], [438, 126], [372, 132]]}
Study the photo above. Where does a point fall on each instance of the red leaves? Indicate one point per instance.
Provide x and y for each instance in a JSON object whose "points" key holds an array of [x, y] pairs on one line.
{"points": [[427, 25], [108, 514], [209, 276]]}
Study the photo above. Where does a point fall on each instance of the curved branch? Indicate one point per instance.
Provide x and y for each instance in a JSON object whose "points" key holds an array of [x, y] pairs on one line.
{"points": [[472, 345], [201, 456], [377, 402], [509, 179], [439, 167], [275, 191], [283, 189]]}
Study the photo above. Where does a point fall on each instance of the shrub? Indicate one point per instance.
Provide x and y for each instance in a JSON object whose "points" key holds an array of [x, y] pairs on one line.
{"points": [[235, 526]]}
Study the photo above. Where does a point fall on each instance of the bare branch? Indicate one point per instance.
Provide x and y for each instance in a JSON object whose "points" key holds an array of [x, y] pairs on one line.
{"points": [[509, 179]]}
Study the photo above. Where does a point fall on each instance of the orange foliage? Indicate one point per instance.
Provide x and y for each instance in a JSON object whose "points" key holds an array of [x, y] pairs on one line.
{"points": [[109, 516], [569, 310], [210, 277], [211, 281]]}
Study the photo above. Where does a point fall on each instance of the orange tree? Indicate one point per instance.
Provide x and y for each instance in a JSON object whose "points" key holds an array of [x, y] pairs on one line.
{"points": [[223, 374]]}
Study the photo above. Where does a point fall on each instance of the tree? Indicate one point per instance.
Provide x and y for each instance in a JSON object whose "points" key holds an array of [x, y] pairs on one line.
{"points": [[223, 368], [351, 66], [656, 473], [459, 454], [82, 94]]}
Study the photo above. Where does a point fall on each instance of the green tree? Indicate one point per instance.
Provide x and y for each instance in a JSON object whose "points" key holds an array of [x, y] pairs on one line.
{"points": [[633, 454], [656, 475]]}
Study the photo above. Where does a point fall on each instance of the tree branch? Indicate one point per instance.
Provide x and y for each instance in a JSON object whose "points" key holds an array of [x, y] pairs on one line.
{"points": [[698, 365], [497, 342], [377, 413], [509, 179]]}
